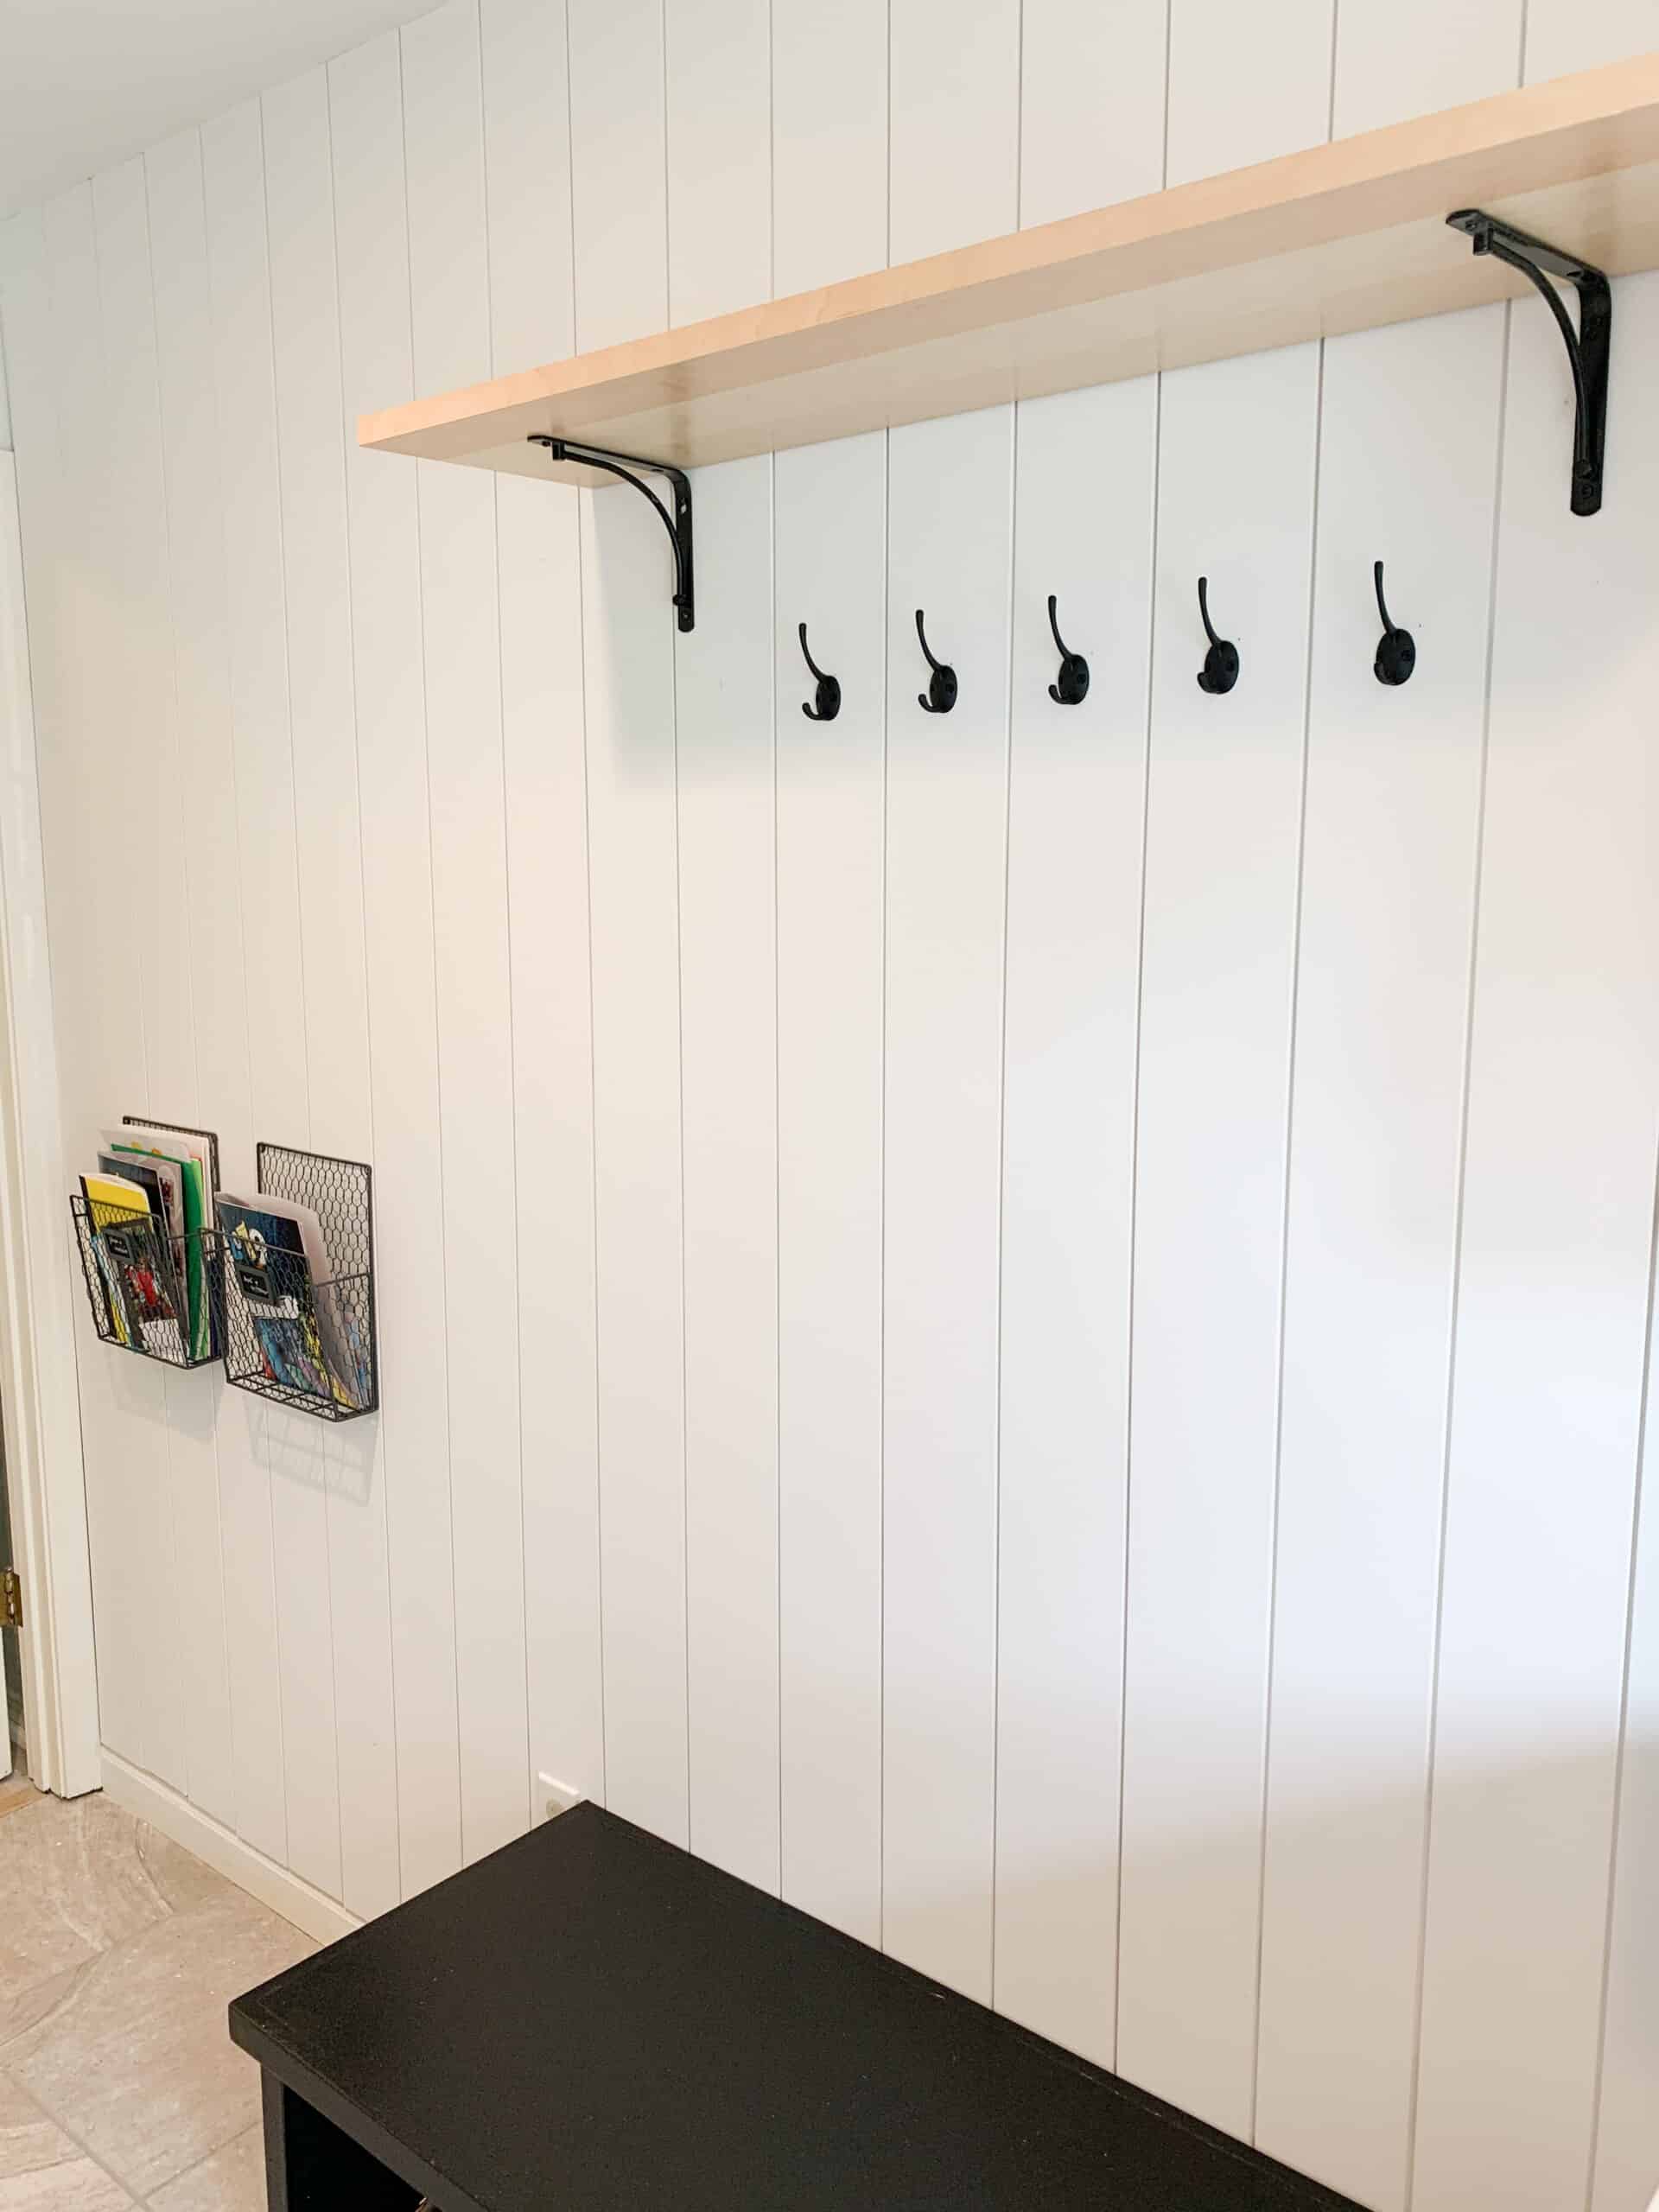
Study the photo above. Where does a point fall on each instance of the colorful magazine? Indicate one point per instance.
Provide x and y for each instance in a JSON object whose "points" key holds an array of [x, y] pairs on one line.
{"points": [[134, 1259], [186, 1159], [265, 1251]]}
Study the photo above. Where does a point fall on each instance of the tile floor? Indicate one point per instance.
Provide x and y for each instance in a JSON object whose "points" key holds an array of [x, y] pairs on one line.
{"points": [[119, 2085]]}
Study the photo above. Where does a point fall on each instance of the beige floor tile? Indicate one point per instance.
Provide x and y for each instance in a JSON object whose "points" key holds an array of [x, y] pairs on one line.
{"points": [[77, 2185], [137, 2061], [16, 1791], [75, 1879], [232, 2180], [42, 2169], [27, 2008], [27, 2139]]}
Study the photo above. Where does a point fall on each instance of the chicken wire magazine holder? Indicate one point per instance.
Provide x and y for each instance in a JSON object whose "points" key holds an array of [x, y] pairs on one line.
{"points": [[153, 1294], [305, 1339]]}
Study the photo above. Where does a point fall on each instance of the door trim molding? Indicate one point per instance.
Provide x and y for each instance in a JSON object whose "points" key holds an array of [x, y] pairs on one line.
{"points": [[39, 1399]]}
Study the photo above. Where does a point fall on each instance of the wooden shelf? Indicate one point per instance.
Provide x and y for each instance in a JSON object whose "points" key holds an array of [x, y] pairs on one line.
{"points": [[1342, 236]]}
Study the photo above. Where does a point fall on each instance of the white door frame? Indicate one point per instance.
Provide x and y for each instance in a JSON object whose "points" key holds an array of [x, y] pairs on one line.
{"points": [[38, 1393]]}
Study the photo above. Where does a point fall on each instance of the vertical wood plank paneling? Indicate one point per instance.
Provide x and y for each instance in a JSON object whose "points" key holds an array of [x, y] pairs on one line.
{"points": [[110, 1052], [219, 1097], [105, 1041], [138, 616], [527, 177], [1226, 108], [1553, 1309], [537, 527], [719, 107], [1083, 514], [1224, 815], [1564, 35], [719, 95], [1092, 104], [828, 118], [1387, 922], [448, 274], [628, 654], [314, 615], [730, 1071], [371, 232], [267, 802], [949, 553], [1627, 2133], [831, 558], [305, 319], [1395, 58], [618, 169], [618, 159], [132, 553], [954, 117], [190, 1644], [299, 189], [232, 159]]}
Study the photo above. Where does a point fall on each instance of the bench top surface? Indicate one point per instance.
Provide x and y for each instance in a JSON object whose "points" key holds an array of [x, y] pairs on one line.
{"points": [[591, 2020]]}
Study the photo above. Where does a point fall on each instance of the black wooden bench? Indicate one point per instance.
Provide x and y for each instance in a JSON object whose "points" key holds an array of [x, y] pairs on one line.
{"points": [[592, 2021]]}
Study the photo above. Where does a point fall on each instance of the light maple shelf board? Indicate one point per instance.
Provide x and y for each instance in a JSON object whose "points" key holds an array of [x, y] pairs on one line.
{"points": [[1342, 236]]}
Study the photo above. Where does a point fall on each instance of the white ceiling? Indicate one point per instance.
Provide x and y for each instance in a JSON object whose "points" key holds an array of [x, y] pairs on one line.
{"points": [[85, 83]]}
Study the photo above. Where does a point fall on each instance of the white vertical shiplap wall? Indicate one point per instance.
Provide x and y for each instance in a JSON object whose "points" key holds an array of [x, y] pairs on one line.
{"points": [[1224, 810], [1031, 1327]]}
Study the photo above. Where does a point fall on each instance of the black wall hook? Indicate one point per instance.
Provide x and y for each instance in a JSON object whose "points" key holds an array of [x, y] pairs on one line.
{"points": [[1396, 651], [941, 692], [1220, 669], [827, 705], [1072, 688]]}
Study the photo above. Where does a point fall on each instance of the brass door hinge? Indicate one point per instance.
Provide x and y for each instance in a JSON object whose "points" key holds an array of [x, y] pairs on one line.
{"points": [[11, 1597]]}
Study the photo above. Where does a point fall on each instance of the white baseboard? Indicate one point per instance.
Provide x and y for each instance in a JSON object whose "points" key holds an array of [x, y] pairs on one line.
{"points": [[262, 1878]]}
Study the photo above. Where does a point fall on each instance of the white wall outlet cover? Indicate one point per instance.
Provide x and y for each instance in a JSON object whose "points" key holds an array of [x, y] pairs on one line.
{"points": [[556, 1797]]}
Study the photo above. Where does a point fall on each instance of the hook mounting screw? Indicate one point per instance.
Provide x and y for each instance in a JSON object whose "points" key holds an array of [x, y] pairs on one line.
{"points": [[1396, 651], [1072, 687], [941, 692], [1220, 669], [827, 704]]}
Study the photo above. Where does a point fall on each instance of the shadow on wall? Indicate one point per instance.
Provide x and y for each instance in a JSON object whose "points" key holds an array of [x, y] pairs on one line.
{"points": [[298, 1449]]}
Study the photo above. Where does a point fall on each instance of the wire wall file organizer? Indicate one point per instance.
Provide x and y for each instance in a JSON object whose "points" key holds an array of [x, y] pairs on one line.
{"points": [[299, 1324], [153, 1293]]}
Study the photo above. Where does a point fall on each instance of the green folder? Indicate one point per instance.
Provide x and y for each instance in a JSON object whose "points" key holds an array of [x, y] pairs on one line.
{"points": [[195, 1220]]}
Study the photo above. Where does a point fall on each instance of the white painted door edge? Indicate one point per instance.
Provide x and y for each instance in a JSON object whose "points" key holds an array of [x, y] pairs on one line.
{"points": [[38, 1395]]}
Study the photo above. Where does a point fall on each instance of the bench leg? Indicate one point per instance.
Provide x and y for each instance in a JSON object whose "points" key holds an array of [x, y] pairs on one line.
{"points": [[311, 2166]]}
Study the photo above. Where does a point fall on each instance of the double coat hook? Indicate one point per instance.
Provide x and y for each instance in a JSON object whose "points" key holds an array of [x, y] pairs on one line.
{"points": [[941, 692], [1396, 651], [1220, 669], [827, 703], [1072, 687]]}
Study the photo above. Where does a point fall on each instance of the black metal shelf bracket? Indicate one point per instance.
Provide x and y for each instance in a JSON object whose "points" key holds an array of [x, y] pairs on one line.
{"points": [[678, 524], [1587, 347]]}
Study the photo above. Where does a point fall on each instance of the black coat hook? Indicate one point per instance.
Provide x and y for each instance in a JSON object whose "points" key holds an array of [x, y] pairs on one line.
{"points": [[1220, 669], [827, 705], [941, 692], [1072, 689], [1396, 651]]}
